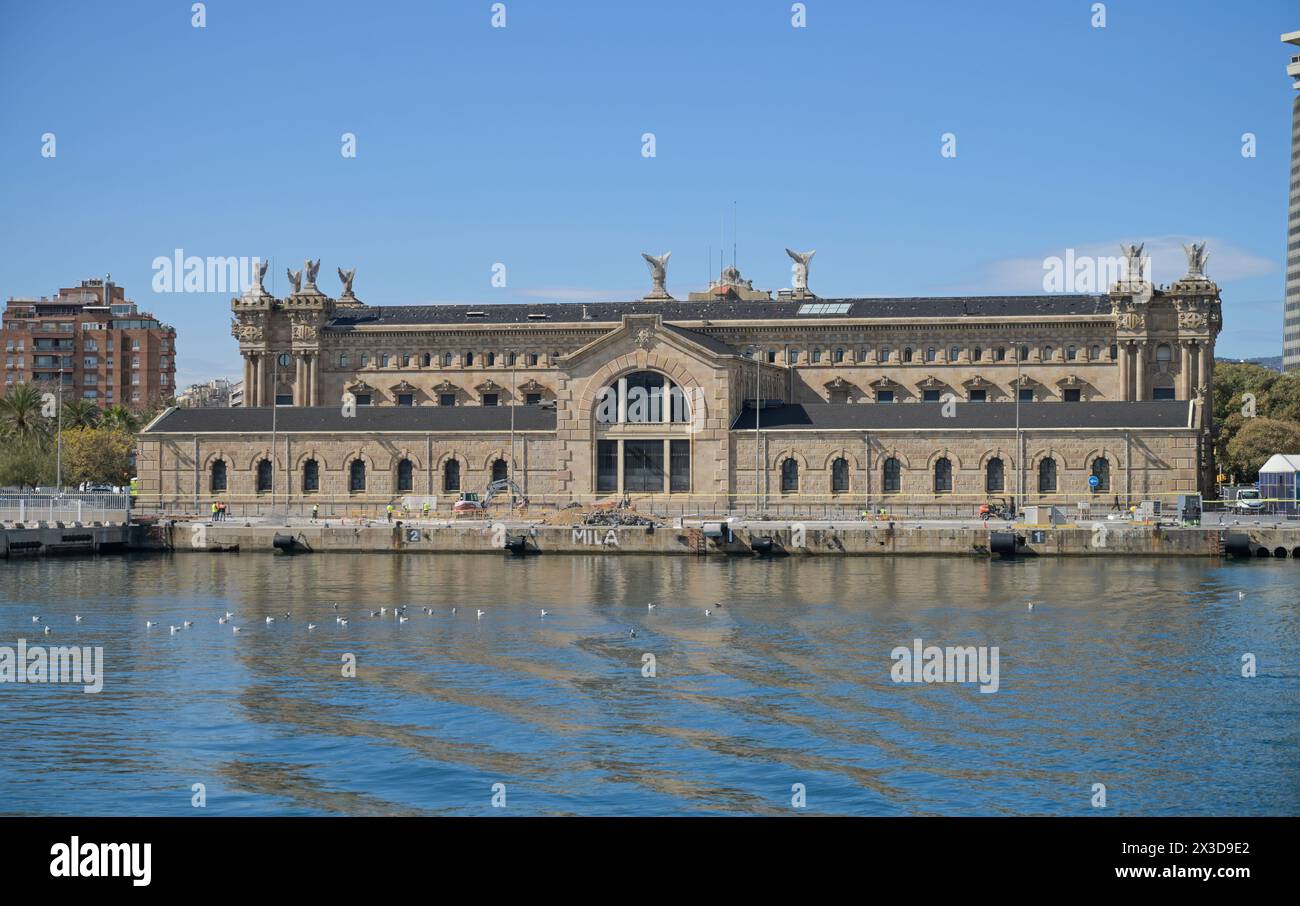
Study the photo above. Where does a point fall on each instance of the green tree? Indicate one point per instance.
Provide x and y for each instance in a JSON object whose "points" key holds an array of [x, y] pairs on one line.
{"points": [[97, 455], [120, 418], [25, 465], [1255, 441], [22, 414], [80, 414]]}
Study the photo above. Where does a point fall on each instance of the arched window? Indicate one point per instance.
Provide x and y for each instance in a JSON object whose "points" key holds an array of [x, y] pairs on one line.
{"points": [[907, 354], [1047, 353], [1101, 468], [1047, 476], [469, 359], [839, 475], [645, 400], [218, 479], [446, 360], [427, 360], [789, 476], [891, 476], [263, 475], [1164, 353], [1095, 354], [1071, 353], [357, 476], [839, 355], [994, 476], [500, 470], [343, 360], [1022, 354], [451, 475], [310, 476], [931, 355], [943, 476], [405, 476], [977, 354], [1000, 354]]}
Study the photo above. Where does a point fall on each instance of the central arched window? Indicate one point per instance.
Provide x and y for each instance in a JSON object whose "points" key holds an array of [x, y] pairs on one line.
{"points": [[645, 402], [357, 476], [1047, 476], [405, 476], [263, 475], [218, 479], [891, 476], [994, 476], [310, 476], [789, 476], [1101, 468], [500, 470], [943, 476], [1164, 353], [451, 475], [839, 476]]}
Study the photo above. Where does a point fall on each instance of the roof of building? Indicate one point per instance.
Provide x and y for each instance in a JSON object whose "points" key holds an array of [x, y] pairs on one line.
{"points": [[1054, 305], [301, 419], [1283, 463], [929, 416]]}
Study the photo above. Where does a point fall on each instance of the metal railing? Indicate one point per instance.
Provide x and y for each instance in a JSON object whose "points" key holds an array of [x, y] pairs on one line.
{"points": [[66, 508]]}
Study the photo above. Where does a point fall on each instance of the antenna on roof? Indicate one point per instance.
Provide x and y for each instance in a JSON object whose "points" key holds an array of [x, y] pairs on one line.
{"points": [[733, 233]]}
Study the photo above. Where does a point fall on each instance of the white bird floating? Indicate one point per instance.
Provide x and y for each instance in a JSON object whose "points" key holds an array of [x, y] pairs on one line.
{"points": [[234, 628], [221, 620], [311, 626], [78, 618], [480, 614], [650, 606], [707, 612], [1240, 596], [149, 624], [229, 615], [632, 634], [343, 622], [545, 611], [188, 623], [48, 630], [1031, 605], [36, 619], [453, 611], [173, 629], [270, 619], [402, 619]]}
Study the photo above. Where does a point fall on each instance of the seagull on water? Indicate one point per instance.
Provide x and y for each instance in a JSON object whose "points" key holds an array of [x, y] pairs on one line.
{"points": [[343, 622], [545, 611], [1031, 605], [336, 605], [48, 630], [707, 612], [632, 634], [78, 618], [651, 606], [453, 611], [229, 615], [311, 626], [149, 624], [234, 628], [173, 629], [221, 620], [480, 613], [402, 619], [270, 619], [1241, 595], [188, 623], [374, 613], [36, 619], [383, 610]]}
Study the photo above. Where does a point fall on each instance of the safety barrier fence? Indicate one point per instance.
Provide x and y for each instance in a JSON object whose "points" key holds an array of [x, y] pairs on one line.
{"points": [[68, 507]]}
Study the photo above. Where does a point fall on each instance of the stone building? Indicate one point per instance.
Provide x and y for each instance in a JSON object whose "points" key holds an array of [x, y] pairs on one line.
{"points": [[734, 400]]}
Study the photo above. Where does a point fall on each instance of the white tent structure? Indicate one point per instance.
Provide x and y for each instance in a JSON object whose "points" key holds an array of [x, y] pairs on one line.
{"points": [[1279, 482]]}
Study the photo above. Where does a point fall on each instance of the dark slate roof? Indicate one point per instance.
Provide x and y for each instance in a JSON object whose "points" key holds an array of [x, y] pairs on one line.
{"points": [[291, 419], [925, 416], [612, 312]]}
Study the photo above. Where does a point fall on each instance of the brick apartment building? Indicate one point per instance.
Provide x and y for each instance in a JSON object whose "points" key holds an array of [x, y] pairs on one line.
{"points": [[94, 340]]}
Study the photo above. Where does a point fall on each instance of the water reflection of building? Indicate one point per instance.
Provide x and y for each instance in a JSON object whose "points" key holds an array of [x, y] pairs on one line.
{"points": [[934, 400]]}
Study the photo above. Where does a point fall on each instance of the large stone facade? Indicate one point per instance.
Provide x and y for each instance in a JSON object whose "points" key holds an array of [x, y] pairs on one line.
{"points": [[823, 375]]}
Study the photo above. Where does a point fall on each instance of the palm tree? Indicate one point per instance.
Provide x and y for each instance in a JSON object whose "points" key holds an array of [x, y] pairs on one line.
{"points": [[119, 418], [79, 414], [21, 415]]}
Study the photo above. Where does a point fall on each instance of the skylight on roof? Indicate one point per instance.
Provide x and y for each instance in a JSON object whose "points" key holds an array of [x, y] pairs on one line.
{"points": [[825, 308]]}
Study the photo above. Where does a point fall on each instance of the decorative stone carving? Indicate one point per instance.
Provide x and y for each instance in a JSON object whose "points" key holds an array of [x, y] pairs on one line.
{"points": [[658, 274], [1131, 320], [259, 274], [347, 277], [1191, 320], [1196, 260], [295, 279], [310, 268], [801, 261], [644, 338], [1134, 263]]}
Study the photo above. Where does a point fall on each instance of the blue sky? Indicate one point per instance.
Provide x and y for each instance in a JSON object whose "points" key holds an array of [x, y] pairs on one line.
{"points": [[522, 145]]}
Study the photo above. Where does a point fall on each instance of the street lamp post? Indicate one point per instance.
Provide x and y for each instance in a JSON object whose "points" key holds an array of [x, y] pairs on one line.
{"points": [[58, 437]]}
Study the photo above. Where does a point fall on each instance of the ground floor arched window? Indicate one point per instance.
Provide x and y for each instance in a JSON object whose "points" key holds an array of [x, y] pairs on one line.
{"points": [[405, 476], [451, 475], [789, 476], [357, 476], [995, 478], [1047, 476], [264, 476], [1101, 469], [892, 476], [943, 476], [500, 470], [217, 481], [839, 476], [310, 476]]}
